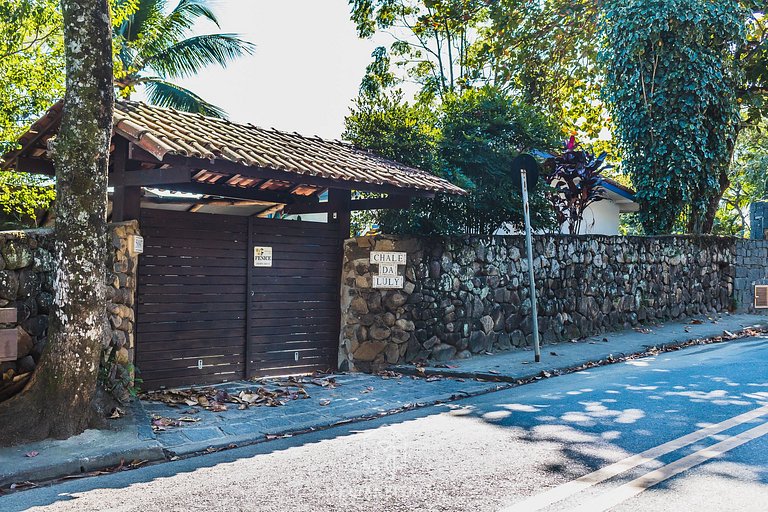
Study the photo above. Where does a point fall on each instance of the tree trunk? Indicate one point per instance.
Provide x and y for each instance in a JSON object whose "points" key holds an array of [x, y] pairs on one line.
{"points": [[57, 400]]}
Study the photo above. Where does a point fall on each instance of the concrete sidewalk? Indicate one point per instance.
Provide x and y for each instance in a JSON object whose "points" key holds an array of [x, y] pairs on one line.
{"points": [[130, 438], [559, 357], [356, 397]]}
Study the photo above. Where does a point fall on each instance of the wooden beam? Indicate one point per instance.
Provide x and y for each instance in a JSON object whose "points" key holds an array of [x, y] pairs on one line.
{"points": [[119, 161], [204, 201], [234, 192], [151, 177], [227, 167], [270, 211], [35, 166], [382, 203]]}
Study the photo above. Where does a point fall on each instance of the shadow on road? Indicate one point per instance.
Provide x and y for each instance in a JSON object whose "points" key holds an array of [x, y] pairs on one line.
{"points": [[589, 419]]}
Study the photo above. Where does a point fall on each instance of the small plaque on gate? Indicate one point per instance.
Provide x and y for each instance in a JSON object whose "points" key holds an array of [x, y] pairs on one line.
{"points": [[262, 256]]}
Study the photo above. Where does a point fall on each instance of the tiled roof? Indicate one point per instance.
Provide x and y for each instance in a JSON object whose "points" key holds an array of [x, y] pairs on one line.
{"points": [[162, 131]]}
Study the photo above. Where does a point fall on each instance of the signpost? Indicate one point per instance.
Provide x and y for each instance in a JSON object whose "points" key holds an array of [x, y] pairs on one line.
{"points": [[528, 168]]}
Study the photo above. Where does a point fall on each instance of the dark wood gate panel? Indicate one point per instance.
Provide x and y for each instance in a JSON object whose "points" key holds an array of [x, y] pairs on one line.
{"points": [[293, 320], [191, 298]]}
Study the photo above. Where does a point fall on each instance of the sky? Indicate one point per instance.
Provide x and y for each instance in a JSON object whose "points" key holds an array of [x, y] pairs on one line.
{"points": [[304, 73]]}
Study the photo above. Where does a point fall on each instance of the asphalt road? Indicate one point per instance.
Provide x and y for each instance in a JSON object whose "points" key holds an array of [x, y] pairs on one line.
{"points": [[697, 418]]}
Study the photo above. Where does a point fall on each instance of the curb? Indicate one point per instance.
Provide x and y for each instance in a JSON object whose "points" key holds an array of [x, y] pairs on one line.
{"points": [[145, 448], [591, 363]]}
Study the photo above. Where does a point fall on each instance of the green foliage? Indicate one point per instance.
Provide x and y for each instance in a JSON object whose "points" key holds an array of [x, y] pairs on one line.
{"points": [[749, 183], [32, 74], [482, 131], [153, 49], [671, 81], [32, 70], [470, 140], [542, 53], [22, 196]]}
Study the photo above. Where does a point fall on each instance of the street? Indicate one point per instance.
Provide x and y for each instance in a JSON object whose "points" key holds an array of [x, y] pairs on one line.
{"points": [[697, 418]]}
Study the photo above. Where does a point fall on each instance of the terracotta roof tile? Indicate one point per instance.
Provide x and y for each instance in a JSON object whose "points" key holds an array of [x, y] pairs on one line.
{"points": [[163, 131]]}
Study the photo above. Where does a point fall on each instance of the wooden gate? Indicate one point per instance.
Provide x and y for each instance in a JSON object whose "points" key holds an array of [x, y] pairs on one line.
{"points": [[206, 314]]}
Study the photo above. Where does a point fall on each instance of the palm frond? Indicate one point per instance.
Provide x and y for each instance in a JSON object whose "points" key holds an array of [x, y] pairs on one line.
{"points": [[189, 56], [183, 16], [165, 94], [148, 13]]}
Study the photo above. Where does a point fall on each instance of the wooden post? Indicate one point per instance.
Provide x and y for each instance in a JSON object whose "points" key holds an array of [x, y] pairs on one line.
{"points": [[248, 287], [340, 202], [126, 201]]}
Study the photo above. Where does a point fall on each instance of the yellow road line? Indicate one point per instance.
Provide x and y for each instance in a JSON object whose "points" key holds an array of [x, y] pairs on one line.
{"points": [[561, 492], [638, 485]]}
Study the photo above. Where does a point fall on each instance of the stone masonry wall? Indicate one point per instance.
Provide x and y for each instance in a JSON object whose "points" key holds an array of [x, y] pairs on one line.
{"points": [[751, 268], [26, 283], [469, 296]]}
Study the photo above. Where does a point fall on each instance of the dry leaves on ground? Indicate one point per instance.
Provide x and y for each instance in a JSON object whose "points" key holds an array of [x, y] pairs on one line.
{"points": [[216, 400]]}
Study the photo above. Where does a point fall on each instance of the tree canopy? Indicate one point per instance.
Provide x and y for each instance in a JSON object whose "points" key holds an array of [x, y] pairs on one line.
{"points": [[470, 139]]}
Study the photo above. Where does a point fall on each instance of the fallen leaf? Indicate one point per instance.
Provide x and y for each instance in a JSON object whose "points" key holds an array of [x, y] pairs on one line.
{"points": [[696, 321], [325, 401], [31, 454], [553, 353], [116, 413]]}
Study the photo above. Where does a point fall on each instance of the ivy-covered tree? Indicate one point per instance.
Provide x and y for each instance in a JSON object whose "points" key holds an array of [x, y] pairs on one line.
{"points": [[671, 80]]}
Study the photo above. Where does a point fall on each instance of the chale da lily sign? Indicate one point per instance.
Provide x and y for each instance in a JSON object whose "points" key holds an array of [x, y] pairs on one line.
{"points": [[388, 262]]}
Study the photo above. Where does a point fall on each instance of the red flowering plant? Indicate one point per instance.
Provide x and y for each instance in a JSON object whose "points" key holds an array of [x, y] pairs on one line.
{"points": [[575, 179]]}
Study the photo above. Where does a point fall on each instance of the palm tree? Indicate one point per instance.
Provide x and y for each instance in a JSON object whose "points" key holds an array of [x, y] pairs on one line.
{"points": [[153, 50]]}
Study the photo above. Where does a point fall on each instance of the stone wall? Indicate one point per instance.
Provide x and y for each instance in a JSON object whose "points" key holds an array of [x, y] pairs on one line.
{"points": [[751, 266], [26, 283], [469, 296]]}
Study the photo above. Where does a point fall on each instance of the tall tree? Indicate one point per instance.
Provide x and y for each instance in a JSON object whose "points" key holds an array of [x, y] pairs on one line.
{"points": [[57, 400], [541, 53], [671, 79], [154, 49]]}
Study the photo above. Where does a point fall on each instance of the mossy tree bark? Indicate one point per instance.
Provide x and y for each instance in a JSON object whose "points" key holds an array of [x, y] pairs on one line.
{"points": [[57, 401]]}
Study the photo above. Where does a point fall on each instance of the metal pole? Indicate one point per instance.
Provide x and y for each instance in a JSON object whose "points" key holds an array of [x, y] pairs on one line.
{"points": [[529, 250]]}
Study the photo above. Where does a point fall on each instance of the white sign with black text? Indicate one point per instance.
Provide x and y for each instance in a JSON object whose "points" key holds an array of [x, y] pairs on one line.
{"points": [[388, 262], [262, 256]]}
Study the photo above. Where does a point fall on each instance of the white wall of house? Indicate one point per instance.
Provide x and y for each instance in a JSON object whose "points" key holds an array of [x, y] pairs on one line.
{"points": [[600, 218]]}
